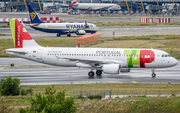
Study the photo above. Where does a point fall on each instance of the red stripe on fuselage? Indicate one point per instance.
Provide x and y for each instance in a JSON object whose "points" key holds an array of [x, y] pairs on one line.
{"points": [[146, 59]]}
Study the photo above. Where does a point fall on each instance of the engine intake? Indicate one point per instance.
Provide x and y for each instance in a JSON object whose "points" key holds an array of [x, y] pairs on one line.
{"points": [[111, 68], [81, 32]]}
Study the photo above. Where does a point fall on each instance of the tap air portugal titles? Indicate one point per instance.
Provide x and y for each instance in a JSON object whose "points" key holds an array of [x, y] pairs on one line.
{"points": [[106, 60], [60, 28], [95, 6]]}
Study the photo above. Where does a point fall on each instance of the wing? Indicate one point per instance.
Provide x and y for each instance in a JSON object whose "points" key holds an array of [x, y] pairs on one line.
{"points": [[91, 62]]}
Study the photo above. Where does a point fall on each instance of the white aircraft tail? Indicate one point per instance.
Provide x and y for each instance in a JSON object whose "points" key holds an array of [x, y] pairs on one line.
{"points": [[73, 2], [21, 37]]}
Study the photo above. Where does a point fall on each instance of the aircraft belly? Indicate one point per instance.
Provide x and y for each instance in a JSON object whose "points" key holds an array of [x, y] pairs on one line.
{"points": [[47, 30]]}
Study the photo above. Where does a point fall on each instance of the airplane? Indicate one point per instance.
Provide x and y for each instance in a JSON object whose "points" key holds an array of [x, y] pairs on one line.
{"points": [[101, 60], [94, 6], [60, 28]]}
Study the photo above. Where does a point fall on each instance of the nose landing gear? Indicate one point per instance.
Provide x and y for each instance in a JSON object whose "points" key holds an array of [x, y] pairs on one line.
{"points": [[153, 73]]}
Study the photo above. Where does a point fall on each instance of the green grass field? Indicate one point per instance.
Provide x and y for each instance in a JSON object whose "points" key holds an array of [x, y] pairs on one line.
{"points": [[141, 104]]}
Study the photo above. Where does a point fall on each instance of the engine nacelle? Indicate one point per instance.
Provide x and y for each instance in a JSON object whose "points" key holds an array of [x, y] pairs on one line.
{"points": [[81, 32], [111, 68], [125, 70]]}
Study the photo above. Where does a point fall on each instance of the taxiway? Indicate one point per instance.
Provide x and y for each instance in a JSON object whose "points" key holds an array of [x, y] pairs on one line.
{"points": [[32, 73]]}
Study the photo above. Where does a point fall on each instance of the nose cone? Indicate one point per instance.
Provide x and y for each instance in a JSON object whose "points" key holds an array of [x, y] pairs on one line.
{"points": [[174, 62]]}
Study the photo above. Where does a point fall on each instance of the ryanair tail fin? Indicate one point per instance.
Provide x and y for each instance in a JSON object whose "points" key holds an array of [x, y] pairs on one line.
{"points": [[33, 16], [21, 37]]}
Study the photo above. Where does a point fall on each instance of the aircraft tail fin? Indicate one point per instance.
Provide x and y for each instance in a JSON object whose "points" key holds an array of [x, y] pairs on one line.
{"points": [[21, 37], [33, 16], [73, 2]]}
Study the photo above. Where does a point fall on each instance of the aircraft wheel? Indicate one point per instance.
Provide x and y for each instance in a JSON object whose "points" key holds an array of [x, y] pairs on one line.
{"points": [[153, 75], [98, 72], [58, 35], [68, 35], [91, 74]]}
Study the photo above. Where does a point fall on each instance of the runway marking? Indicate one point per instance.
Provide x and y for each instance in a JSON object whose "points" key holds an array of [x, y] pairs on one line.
{"points": [[134, 82]]}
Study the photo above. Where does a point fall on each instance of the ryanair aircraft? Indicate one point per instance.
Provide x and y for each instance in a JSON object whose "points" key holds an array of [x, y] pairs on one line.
{"points": [[101, 60], [60, 28]]}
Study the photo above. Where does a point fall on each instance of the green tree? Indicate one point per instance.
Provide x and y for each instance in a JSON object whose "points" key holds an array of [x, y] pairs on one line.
{"points": [[52, 102], [9, 86]]}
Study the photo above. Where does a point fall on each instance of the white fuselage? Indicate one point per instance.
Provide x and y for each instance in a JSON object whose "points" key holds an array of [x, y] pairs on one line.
{"points": [[69, 57], [63, 27], [96, 6]]}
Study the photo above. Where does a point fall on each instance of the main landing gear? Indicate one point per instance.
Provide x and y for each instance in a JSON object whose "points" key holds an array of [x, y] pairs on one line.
{"points": [[91, 74], [68, 35], [98, 73], [153, 73], [58, 35]]}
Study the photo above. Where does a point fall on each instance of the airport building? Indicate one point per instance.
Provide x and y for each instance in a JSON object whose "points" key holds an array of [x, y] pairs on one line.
{"points": [[151, 6]]}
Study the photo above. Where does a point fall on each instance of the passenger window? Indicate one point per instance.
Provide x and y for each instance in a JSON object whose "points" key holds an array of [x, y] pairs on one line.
{"points": [[146, 56], [162, 55]]}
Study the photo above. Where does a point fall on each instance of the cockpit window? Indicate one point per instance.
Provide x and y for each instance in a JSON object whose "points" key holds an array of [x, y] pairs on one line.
{"points": [[166, 55]]}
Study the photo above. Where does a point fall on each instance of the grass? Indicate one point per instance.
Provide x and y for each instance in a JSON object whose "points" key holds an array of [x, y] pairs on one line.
{"points": [[128, 89], [5, 34], [139, 104], [4, 26], [131, 105]]}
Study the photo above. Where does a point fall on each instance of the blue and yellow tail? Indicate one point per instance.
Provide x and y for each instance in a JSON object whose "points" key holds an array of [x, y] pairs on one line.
{"points": [[33, 16]]}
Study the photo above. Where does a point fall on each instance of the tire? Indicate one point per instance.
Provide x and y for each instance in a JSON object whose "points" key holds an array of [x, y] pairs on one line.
{"points": [[58, 35], [68, 35], [98, 72], [153, 75], [91, 74]]}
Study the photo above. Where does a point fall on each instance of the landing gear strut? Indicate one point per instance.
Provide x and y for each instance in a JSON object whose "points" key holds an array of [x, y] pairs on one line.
{"points": [[91, 74], [98, 72], [68, 35], [153, 73], [58, 35]]}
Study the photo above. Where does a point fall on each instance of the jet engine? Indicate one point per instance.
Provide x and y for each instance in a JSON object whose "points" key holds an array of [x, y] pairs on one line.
{"points": [[111, 68], [125, 70], [81, 32]]}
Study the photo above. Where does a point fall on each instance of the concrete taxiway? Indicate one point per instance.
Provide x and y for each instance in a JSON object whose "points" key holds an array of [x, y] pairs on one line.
{"points": [[32, 73], [108, 31]]}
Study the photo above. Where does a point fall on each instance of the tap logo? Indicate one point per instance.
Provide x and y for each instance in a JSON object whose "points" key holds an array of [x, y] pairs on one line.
{"points": [[33, 15]]}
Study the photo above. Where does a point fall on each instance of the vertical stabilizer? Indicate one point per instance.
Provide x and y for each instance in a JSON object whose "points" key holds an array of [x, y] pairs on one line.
{"points": [[21, 37], [72, 3], [33, 16]]}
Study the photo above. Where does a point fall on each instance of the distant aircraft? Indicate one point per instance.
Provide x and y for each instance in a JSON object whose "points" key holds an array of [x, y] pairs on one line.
{"points": [[95, 6], [60, 28], [107, 60]]}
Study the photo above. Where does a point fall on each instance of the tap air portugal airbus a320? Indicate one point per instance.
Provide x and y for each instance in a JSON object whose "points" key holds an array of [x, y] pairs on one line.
{"points": [[106, 60], [60, 28]]}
